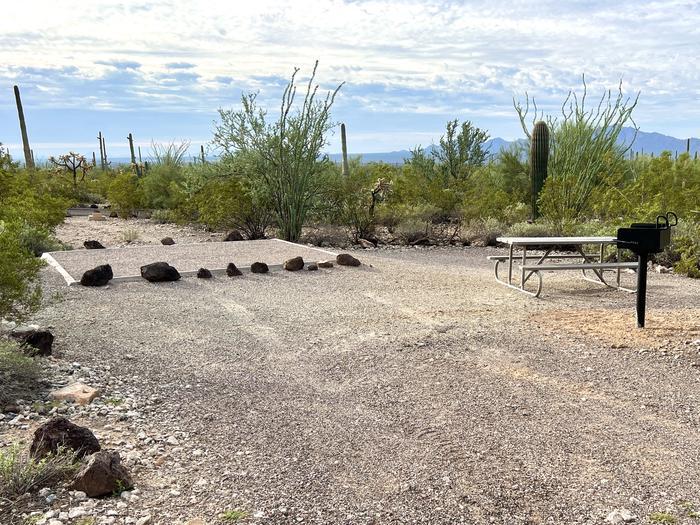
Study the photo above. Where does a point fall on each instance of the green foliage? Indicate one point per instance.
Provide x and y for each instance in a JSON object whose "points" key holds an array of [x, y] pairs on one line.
{"points": [[20, 374], [160, 185], [284, 154], [20, 294], [124, 194], [234, 515], [170, 155], [662, 517], [38, 240], [20, 473]]}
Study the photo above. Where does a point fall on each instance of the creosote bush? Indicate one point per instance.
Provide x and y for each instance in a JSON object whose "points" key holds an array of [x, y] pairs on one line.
{"points": [[20, 473]]}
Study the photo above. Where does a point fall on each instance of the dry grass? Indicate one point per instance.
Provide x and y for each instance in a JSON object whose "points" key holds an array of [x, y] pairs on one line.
{"points": [[19, 374], [20, 473]]}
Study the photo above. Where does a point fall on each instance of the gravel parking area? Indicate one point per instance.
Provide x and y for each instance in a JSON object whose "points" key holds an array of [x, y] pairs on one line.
{"points": [[414, 390]]}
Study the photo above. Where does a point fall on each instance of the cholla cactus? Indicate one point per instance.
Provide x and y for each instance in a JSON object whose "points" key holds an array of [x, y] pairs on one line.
{"points": [[72, 163]]}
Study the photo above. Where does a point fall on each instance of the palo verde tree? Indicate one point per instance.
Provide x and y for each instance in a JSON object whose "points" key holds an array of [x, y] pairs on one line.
{"points": [[285, 153], [461, 150], [583, 149]]}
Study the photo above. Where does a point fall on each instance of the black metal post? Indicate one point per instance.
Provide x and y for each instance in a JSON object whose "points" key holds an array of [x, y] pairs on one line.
{"points": [[642, 289]]}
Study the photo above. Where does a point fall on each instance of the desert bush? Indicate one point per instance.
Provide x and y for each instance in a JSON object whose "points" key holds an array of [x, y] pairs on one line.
{"points": [[20, 294], [683, 254], [20, 473], [529, 229], [130, 235], [483, 232], [160, 186], [38, 240], [20, 375], [125, 194], [163, 216]]}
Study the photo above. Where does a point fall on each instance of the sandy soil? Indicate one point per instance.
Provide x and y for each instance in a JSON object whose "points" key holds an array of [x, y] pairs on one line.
{"points": [[414, 390]]}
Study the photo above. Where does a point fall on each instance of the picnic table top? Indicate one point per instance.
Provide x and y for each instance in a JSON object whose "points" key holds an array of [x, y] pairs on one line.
{"points": [[526, 241]]}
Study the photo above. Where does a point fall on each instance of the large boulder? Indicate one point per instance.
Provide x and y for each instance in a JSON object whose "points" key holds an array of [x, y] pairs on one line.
{"points": [[93, 245], [294, 264], [232, 270], [102, 475], [203, 273], [61, 433], [345, 259], [159, 272], [259, 267], [41, 341], [167, 241], [235, 235], [98, 276]]}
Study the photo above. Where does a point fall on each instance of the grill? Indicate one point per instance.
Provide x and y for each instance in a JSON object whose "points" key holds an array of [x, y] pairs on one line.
{"points": [[644, 238]]}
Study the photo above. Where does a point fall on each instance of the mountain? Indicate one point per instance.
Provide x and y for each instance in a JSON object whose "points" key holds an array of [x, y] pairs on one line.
{"points": [[645, 142]]}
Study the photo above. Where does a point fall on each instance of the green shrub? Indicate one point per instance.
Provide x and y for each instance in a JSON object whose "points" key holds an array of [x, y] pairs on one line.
{"points": [[20, 375], [483, 232], [20, 473], [160, 185], [124, 194], [163, 216], [538, 229], [38, 240], [20, 294]]}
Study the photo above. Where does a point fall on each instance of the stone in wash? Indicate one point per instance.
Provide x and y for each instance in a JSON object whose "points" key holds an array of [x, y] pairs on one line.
{"points": [[97, 216], [366, 244], [345, 259], [312, 267], [93, 245], [203, 273], [294, 264], [167, 241], [259, 267], [159, 272], [235, 235], [98, 276], [32, 336], [102, 475], [78, 392], [59, 432], [232, 270], [325, 264]]}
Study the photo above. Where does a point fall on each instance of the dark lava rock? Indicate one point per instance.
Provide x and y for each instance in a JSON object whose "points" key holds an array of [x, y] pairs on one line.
{"points": [[203, 273], [312, 267], [59, 432], [259, 267], [93, 245], [113, 215], [41, 341], [159, 272], [93, 206], [235, 235], [232, 271], [98, 276], [294, 264], [103, 475], [167, 241], [345, 259]]}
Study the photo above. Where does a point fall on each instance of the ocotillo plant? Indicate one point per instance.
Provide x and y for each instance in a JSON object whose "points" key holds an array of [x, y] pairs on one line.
{"points": [[539, 156], [343, 140], [28, 160]]}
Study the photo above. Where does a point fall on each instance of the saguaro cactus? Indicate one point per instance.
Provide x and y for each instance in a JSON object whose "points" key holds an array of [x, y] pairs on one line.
{"points": [[539, 156], [28, 159], [343, 140]]}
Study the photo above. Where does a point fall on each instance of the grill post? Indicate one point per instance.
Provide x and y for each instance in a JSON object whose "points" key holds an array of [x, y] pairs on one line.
{"points": [[642, 288]]}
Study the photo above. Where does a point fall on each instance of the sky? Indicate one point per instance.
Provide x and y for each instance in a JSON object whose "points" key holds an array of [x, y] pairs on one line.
{"points": [[161, 69]]}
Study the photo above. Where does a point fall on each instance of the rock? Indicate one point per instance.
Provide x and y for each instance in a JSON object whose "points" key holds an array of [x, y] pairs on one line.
{"points": [[98, 276], [97, 216], [167, 241], [366, 244], [312, 267], [113, 215], [79, 393], [325, 264], [196, 521], [102, 475], [259, 267], [144, 521], [232, 270], [93, 245], [159, 272], [235, 235], [93, 206], [345, 259], [40, 340], [203, 273], [620, 516], [294, 264], [59, 432], [172, 440]]}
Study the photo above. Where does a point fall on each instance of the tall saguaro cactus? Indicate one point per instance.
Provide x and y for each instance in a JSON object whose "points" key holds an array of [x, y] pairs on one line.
{"points": [[343, 140], [28, 158], [539, 156]]}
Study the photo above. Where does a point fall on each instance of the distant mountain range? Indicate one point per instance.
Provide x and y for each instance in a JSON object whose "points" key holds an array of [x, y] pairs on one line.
{"points": [[646, 143]]}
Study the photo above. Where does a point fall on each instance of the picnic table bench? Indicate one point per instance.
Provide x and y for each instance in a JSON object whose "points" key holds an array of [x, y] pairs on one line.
{"points": [[550, 260]]}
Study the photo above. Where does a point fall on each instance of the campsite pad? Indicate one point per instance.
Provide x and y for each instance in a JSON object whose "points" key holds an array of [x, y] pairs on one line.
{"points": [[187, 258]]}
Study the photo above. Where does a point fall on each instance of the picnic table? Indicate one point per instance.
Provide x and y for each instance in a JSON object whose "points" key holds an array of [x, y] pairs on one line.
{"points": [[582, 258]]}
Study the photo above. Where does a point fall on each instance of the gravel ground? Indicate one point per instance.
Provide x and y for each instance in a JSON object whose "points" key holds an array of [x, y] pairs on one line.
{"points": [[127, 261], [414, 390]]}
